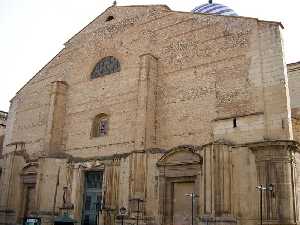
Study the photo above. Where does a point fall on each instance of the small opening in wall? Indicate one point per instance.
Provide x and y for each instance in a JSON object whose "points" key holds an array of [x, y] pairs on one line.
{"points": [[234, 122], [109, 18]]}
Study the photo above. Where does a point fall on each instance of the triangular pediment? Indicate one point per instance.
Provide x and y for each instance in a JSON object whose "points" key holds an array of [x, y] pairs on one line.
{"points": [[113, 22]]}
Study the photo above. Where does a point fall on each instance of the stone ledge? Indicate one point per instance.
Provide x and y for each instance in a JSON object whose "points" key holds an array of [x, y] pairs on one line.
{"points": [[219, 219], [47, 213], [254, 145], [117, 156], [238, 116], [7, 211]]}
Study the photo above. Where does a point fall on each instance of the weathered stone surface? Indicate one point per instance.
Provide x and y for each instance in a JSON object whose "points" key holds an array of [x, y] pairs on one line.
{"points": [[201, 104], [294, 83]]}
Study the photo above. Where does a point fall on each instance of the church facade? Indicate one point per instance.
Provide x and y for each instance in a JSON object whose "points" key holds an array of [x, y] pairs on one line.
{"points": [[178, 117]]}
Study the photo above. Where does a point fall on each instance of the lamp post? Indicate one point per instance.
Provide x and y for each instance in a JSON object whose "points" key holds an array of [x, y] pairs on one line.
{"points": [[193, 195], [122, 211], [261, 189]]}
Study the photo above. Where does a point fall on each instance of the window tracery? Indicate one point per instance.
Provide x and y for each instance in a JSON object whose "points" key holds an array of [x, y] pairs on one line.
{"points": [[105, 66]]}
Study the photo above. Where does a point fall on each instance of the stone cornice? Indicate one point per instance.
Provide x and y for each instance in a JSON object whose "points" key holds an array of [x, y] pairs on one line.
{"points": [[272, 143], [116, 156]]}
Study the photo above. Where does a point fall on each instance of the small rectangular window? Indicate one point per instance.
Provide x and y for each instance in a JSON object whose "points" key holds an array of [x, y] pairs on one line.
{"points": [[234, 122]]}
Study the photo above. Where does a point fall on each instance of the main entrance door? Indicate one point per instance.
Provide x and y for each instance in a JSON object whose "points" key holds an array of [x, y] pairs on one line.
{"points": [[92, 198], [182, 204]]}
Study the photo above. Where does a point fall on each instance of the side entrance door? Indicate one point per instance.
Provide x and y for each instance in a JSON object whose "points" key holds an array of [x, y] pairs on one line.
{"points": [[182, 204], [92, 197]]}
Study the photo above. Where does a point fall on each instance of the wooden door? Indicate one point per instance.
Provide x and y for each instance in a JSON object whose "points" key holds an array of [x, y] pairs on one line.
{"points": [[182, 204]]}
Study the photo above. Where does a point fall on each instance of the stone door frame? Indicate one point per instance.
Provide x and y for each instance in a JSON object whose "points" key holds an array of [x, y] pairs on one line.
{"points": [[181, 164], [78, 197], [28, 180], [84, 193]]}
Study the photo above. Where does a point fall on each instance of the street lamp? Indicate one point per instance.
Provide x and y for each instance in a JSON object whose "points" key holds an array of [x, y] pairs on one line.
{"points": [[193, 195], [261, 189], [122, 211]]}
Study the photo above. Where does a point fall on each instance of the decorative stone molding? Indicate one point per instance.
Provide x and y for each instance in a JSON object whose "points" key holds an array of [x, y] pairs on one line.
{"points": [[180, 155], [181, 164], [89, 165], [212, 220]]}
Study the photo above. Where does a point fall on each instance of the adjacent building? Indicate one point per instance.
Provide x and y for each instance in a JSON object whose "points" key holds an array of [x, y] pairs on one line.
{"points": [[3, 118]]}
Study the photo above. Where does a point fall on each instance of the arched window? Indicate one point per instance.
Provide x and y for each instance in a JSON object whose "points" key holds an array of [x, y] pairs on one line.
{"points": [[100, 125], [105, 66]]}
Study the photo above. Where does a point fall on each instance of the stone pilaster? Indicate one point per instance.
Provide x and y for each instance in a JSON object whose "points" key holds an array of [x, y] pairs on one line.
{"points": [[11, 189], [145, 133], [145, 129], [52, 178], [215, 200], [277, 109], [138, 167], [112, 179], [56, 118]]}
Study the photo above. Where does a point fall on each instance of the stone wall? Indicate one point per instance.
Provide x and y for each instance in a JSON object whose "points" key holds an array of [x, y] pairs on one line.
{"points": [[194, 91], [296, 129], [222, 63], [294, 83]]}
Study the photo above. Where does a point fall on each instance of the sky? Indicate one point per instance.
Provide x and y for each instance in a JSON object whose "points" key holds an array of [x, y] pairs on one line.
{"points": [[32, 32]]}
